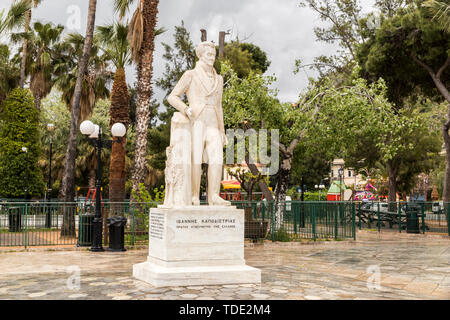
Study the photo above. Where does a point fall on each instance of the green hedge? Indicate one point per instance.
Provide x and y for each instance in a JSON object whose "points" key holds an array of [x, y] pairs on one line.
{"points": [[19, 128]]}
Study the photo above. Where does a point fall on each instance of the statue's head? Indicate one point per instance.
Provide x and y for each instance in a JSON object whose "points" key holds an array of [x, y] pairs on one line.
{"points": [[206, 52]]}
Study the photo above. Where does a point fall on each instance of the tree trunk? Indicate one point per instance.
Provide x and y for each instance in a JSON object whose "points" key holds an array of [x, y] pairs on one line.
{"points": [[446, 191], [91, 181], [119, 112], [281, 190], [392, 172], [68, 180], [144, 91], [25, 49], [303, 190], [37, 102]]}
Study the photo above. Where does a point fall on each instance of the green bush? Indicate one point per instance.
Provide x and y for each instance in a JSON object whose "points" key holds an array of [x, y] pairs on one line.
{"points": [[281, 235], [315, 196], [145, 201], [19, 128]]}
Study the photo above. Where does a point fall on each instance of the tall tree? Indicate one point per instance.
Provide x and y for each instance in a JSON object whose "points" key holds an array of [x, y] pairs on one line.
{"points": [[15, 17], [96, 77], [19, 171], [142, 38], [68, 182], [32, 4], [41, 60], [412, 53], [116, 46], [441, 13]]}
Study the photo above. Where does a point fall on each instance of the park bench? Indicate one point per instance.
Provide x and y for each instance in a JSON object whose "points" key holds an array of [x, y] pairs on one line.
{"points": [[369, 213]]}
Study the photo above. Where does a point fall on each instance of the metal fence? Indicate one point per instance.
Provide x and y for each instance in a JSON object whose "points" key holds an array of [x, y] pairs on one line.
{"points": [[294, 220], [25, 224], [411, 217]]}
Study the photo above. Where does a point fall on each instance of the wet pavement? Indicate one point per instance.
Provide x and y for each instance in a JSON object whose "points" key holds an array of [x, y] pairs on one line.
{"points": [[375, 266]]}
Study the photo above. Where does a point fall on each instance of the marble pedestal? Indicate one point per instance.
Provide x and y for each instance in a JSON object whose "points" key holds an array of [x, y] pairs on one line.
{"points": [[196, 245]]}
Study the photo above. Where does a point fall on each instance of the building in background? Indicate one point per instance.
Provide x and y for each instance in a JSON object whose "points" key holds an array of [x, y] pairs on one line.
{"points": [[350, 177]]}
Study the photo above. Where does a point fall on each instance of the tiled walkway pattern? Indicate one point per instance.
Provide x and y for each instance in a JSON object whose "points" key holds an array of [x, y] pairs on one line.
{"points": [[410, 268]]}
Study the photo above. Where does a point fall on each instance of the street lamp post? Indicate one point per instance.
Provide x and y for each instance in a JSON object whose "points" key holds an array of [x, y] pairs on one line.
{"points": [[48, 218], [341, 175], [320, 187], [94, 132]]}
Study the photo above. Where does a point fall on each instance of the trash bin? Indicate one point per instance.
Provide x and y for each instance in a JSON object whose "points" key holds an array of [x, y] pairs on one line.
{"points": [[85, 230], [15, 220], [117, 233], [412, 219]]}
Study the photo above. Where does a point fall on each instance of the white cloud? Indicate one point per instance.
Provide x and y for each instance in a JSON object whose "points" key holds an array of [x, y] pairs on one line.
{"points": [[279, 27]]}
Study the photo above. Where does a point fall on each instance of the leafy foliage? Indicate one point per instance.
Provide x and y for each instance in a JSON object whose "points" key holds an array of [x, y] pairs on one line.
{"points": [[18, 169], [391, 51]]}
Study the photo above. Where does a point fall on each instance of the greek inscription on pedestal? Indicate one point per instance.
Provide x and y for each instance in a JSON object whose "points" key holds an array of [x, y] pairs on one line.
{"points": [[156, 225]]}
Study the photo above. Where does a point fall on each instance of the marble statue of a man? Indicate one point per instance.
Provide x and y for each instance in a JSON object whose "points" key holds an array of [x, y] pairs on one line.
{"points": [[203, 88]]}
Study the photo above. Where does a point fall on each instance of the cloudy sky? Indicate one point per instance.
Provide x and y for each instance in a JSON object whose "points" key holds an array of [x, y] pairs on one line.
{"points": [[279, 27]]}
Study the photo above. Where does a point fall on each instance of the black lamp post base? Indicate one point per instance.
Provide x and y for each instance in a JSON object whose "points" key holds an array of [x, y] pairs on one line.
{"points": [[100, 249], [116, 250]]}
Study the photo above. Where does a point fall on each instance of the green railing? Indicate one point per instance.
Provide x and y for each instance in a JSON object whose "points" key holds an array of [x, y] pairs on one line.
{"points": [[294, 220], [411, 217], [25, 224]]}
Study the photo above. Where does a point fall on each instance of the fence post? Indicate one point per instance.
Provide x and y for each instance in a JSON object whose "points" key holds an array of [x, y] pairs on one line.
{"points": [[133, 210], [294, 208], [353, 221], [399, 211], [336, 220], [272, 214], [378, 217], [359, 215], [26, 224], [423, 217], [313, 222], [448, 218]]}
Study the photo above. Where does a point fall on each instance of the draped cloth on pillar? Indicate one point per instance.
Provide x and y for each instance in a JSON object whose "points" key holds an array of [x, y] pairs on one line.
{"points": [[178, 164]]}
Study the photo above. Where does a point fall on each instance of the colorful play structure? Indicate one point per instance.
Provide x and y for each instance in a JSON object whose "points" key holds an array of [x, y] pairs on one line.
{"points": [[233, 191], [336, 189], [368, 194]]}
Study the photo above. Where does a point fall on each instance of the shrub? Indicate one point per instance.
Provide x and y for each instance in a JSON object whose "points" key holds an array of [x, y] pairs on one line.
{"points": [[19, 128]]}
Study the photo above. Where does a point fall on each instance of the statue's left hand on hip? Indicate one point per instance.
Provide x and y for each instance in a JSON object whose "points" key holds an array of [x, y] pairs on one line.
{"points": [[224, 140]]}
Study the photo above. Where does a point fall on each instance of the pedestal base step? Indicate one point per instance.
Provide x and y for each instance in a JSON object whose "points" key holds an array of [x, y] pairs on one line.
{"points": [[160, 276]]}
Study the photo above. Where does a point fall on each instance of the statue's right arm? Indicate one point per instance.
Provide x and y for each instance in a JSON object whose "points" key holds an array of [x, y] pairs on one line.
{"points": [[175, 96]]}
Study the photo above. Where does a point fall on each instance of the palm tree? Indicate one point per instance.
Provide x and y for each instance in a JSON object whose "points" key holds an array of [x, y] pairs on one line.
{"points": [[31, 4], [68, 181], [441, 13], [113, 39], [15, 17], [40, 62], [142, 39], [9, 73], [95, 78]]}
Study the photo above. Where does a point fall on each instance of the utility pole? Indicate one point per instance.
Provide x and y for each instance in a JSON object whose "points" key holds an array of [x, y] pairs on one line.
{"points": [[204, 35]]}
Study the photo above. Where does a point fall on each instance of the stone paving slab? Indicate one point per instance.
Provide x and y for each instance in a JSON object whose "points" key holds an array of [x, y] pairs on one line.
{"points": [[410, 268]]}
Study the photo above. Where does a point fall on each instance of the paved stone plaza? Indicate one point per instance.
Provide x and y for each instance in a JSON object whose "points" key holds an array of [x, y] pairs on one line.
{"points": [[411, 267]]}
